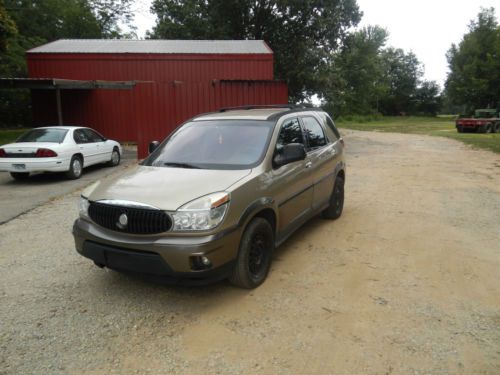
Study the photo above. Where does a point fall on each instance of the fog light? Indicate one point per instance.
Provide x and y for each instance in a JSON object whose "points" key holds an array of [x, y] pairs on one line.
{"points": [[200, 263]]}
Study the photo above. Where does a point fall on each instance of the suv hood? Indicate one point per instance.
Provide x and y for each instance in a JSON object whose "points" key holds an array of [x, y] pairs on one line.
{"points": [[166, 188]]}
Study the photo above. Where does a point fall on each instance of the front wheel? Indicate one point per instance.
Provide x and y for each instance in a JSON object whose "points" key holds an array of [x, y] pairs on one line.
{"points": [[334, 210], [75, 168], [254, 256], [488, 128]]}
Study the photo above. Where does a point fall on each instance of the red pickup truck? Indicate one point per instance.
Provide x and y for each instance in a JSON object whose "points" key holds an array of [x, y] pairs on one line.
{"points": [[484, 121]]}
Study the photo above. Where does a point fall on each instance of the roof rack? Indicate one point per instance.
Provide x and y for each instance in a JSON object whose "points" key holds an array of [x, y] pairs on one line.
{"points": [[257, 106]]}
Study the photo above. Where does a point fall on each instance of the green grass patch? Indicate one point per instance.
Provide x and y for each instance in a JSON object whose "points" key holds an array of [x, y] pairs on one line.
{"points": [[436, 126], [10, 135]]}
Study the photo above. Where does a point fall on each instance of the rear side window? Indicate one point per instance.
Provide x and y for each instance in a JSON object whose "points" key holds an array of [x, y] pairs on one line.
{"points": [[331, 125], [80, 137], [314, 133], [290, 132]]}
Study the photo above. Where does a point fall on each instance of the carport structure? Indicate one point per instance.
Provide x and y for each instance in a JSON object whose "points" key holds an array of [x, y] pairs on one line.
{"points": [[61, 84], [140, 90]]}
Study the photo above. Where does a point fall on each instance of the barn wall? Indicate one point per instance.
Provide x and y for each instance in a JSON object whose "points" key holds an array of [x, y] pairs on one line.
{"points": [[151, 67], [151, 111]]}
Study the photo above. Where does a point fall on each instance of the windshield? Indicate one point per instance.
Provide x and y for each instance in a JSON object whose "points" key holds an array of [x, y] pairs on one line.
{"points": [[227, 144], [43, 135]]}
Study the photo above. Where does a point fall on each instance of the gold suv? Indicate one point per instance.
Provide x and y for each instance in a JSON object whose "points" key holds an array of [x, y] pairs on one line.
{"points": [[216, 197]]}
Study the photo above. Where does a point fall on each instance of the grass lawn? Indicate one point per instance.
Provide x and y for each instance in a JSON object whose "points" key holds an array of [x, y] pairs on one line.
{"points": [[437, 126], [8, 136]]}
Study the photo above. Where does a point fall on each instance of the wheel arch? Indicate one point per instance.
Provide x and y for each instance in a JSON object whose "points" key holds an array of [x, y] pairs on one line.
{"points": [[263, 208], [79, 155]]}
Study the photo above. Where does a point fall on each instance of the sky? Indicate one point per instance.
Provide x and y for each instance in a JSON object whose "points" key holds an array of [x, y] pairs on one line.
{"points": [[426, 27]]}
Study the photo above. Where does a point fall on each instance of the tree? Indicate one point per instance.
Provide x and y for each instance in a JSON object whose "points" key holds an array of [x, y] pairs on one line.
{"points": [[427, 99], [302, 33], [354, 77], [474, 77], [401, 74]]}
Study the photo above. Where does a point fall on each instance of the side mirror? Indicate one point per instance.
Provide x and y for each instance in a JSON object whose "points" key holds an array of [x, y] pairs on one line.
{"points": [[289, 153], [153, 146]]}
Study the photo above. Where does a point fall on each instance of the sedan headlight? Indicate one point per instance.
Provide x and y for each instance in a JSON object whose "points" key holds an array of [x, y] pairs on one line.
{"points": [[204, 213], [83, 207]]}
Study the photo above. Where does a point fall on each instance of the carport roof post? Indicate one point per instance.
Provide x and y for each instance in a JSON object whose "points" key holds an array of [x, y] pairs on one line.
{"points": [[62, 84]]}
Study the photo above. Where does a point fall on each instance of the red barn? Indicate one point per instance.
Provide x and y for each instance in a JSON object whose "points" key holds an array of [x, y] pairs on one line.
{"points": [[140, 90]]}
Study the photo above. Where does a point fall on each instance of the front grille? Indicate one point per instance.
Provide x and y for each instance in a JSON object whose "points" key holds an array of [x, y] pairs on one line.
{"points": [[140, 220]]}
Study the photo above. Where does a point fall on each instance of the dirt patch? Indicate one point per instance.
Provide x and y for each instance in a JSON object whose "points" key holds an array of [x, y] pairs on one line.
{"points": [[407, 281]]}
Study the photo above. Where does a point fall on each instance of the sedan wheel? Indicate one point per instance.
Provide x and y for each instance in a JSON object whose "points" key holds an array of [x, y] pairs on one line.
{"points": [[75, 168], [115, 158]]}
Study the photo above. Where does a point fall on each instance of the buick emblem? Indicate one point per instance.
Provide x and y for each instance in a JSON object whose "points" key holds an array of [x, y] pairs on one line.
{"points": [[122, 221]]}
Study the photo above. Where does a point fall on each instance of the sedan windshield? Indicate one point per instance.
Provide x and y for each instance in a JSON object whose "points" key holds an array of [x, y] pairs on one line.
{"points": [[43, 135], [227, 144]]}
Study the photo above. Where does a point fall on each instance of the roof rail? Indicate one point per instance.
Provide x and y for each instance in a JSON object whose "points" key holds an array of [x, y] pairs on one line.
{"points": [[257, 106]]}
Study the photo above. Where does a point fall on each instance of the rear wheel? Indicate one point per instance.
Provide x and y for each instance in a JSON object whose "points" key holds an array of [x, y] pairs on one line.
{"points": [[334, 210], [20, 176], [254, 256], [496, 127], [488, 128], [75, 168], [115, 158]]}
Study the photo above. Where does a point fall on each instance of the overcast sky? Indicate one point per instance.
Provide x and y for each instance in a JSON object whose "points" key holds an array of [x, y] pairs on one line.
{"points": [[426, 27]]}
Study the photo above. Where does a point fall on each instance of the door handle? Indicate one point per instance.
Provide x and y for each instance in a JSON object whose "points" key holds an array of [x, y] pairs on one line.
{"points": [[309, 164]]}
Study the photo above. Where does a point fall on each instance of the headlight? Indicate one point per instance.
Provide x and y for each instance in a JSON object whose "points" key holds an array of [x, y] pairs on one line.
{"points": [[83, 207], [204, 213]]}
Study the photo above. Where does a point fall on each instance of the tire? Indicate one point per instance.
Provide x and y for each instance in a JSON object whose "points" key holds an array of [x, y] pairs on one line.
{"points": [[488, 128], [75, 168], [334, 210], [460, 129], [254, 255], [20, 176], [115, 158], [496, 127]]}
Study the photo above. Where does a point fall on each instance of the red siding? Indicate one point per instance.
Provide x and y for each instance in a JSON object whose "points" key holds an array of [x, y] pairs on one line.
{"points": [[151, 67], [151, 110]]}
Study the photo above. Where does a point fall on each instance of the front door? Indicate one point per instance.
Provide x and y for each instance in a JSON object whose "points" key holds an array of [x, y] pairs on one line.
{"points": [[292, 183]]}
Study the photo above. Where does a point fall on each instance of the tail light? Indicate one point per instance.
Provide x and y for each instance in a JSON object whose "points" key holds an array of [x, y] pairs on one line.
{"points": [[45, 153], [2, 153]]}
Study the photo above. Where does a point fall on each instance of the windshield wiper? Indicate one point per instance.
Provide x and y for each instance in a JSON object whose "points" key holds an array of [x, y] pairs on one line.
{"points": [[181, 165]]}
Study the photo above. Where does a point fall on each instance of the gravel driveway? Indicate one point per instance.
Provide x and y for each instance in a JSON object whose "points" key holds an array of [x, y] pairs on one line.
{"points": [[406, 282]]}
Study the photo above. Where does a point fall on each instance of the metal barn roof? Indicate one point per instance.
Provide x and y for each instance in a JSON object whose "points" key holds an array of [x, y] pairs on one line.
{"points": [[154, 46]]}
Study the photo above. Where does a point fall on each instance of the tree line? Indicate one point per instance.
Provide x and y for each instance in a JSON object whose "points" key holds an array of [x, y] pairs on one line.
{"points": [[317, 50]]}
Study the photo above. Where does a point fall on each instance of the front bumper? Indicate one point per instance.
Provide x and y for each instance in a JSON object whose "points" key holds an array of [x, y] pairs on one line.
{"points": [[30, 165], [160, 256]]}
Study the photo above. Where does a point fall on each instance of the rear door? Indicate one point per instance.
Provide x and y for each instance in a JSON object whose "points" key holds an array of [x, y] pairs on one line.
{"points": [[292, 183], [87, 146], [323, 154]]}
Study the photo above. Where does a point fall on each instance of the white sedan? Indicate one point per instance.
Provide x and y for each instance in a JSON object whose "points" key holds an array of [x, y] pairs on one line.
{"points": [[58, 149]]}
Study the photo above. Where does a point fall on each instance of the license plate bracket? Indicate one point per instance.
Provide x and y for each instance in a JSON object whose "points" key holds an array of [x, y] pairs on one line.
{"points": [[19, 167]]}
